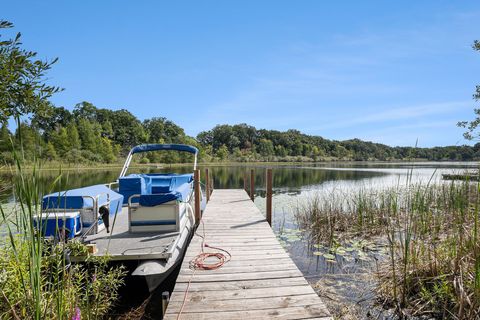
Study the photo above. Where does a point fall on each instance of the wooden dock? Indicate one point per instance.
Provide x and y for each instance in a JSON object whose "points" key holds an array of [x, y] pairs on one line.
{"points": [[260, 282]]}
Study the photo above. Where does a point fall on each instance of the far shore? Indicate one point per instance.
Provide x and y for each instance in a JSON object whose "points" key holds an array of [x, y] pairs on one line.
{"points": [[52, 166]]}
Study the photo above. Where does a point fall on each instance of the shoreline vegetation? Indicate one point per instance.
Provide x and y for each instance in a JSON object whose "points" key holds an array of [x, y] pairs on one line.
{"points": [[37, 278], [430, 263], [61, 166]]}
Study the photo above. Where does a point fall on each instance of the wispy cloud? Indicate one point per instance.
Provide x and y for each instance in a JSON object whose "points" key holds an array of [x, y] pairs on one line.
{"points": [[402, 113]]}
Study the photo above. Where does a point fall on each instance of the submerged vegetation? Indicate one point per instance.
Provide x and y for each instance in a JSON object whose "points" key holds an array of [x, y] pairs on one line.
{"points": [[432, 262]]}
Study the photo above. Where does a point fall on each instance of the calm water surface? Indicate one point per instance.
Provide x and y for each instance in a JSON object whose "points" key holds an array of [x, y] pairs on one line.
{"points": [[292, 185]]}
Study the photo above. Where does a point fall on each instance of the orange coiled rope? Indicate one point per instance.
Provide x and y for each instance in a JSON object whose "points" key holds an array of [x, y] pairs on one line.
{"points": [[199, 263]]}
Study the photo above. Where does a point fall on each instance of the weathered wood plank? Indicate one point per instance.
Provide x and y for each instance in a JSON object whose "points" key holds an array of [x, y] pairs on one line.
{"points": [[210, 277], [251, 263], [245, 293], [235, 285], [304, 312], [244, 304]]}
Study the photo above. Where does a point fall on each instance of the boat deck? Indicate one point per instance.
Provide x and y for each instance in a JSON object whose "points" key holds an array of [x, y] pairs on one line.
{"points": [[120, 244], [260, 282]]}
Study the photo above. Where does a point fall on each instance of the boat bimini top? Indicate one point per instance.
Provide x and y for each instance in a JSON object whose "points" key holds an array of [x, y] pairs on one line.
{"points": [[158, 147]]}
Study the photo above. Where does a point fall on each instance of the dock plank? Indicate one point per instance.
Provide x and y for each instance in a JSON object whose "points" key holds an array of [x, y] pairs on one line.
{"points": [[260, 282]]}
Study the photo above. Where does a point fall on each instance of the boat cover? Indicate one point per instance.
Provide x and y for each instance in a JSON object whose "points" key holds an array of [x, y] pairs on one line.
{"points": [[157, 147], [80, 198]]}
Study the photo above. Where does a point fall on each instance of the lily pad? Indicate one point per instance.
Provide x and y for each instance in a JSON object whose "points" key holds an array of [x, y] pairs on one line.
{"points": [[329, 256], [317, 253]]}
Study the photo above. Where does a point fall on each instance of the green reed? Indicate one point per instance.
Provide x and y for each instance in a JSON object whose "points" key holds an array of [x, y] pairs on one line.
{"points": [[433, 262]]}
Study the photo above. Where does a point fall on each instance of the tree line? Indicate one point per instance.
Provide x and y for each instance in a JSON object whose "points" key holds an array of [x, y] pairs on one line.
{"points": [[89, 134]]}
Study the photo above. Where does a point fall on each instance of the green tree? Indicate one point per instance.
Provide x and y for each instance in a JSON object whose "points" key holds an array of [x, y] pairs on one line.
{"points": [[22, 79], [29, 139], [472, 126], [222, 153], [5, 137], [73, 136], [49, 153], [107, 129], [265, 147], [87, 135], [127, 129], [161, 129], [107, 151], [49, 120], [60, 141]]}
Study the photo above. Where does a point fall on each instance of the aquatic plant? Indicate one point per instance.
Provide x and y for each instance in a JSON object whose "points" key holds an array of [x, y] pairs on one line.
{"points": [[433, 262]]}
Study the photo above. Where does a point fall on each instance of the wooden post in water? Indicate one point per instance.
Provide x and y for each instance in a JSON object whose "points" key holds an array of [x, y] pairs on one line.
{"points": [[269, 196], [196, 181], [252, 184], [207, 184], [211, 185], [245, 180]]}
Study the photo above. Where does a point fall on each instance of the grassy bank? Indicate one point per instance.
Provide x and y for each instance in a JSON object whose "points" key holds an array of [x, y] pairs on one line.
{"points": [[56, 166], [432, 265]]}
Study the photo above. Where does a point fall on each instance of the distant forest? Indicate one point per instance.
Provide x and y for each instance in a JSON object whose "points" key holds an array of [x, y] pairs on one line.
{"points": [[93, 135]]}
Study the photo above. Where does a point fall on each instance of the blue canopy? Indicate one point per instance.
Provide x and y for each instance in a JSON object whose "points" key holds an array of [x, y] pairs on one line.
{"points": [[157, 147]]}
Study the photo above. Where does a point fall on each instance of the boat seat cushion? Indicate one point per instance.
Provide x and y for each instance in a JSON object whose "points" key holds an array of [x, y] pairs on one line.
{"points": [[181, 193], [161, 184], [164, 183], [130, 185]]}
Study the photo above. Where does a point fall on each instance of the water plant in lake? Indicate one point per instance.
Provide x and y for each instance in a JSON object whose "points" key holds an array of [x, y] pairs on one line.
{"points": [[37, 281], [431, 231]]}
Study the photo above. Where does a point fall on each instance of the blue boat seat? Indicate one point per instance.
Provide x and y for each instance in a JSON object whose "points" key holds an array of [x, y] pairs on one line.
{"points": [[155, 189]]}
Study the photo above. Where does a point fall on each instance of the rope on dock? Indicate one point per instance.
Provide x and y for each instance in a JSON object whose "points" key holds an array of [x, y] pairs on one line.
{"points": [[198, 263]]}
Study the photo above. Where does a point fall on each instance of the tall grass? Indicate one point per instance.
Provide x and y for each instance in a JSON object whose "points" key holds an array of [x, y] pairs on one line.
{"points": [[433, 262], [37, 280]]}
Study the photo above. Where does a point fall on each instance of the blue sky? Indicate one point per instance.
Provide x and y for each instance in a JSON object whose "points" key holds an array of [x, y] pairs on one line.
{"points": [[384, 71]]}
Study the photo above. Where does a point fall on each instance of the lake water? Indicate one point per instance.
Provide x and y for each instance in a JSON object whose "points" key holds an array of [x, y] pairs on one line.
{"points": [[344, 285]]}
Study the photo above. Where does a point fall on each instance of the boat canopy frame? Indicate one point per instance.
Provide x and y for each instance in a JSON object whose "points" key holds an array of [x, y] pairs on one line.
{"points": [[158, 147]]}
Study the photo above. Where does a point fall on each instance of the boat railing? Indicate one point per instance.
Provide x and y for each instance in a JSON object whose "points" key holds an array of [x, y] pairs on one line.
{"points": [[95, 209], [110, 184]]}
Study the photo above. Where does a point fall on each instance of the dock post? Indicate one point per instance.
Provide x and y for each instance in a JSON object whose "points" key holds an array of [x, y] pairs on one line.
{"points": [[245, 180], [207, 184], [269, 196], [196, 181], [165, 300], [252, 184]]}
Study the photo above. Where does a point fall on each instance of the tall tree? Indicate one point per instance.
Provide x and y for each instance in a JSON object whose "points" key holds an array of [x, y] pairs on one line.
{"points": [[60, 140], [5, 137], [73, 136], [87, 135]]}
